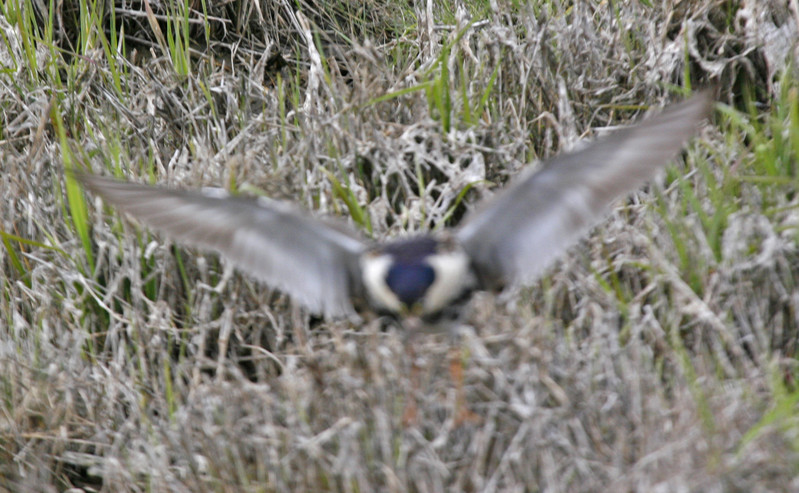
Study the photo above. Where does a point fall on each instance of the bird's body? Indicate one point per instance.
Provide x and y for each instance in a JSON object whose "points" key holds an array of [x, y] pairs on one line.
{"points": [[427, 278]]}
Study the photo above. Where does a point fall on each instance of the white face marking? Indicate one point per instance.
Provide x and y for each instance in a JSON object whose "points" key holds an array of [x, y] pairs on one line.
{"points": [[452, 277], [375, 268]]}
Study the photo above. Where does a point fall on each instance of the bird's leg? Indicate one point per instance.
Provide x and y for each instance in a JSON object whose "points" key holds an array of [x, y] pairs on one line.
{"points": [[410, 414], [462, 412]]}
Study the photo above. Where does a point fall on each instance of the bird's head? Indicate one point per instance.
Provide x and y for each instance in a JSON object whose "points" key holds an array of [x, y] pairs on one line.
{"points": [[417, 276]]}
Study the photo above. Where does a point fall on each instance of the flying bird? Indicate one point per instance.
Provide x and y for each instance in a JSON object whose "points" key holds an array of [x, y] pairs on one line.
{"points": [[424, 281]]}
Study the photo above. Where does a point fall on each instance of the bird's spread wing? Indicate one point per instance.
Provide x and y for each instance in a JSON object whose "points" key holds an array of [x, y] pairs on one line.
{"points": [[308, 259], [524, 228]]}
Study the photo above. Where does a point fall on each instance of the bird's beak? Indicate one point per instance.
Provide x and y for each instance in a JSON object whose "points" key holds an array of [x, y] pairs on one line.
{"points": [[416, 309]]}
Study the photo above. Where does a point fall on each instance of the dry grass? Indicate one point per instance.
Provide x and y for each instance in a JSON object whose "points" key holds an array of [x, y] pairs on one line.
{"points": [[659, 355]]}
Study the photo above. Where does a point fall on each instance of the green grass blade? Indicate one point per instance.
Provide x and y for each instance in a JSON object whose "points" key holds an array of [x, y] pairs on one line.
{"points": [[75, 199]]}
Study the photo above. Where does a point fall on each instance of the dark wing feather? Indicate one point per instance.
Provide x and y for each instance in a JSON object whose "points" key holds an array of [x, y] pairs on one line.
{"points": [[525, 227], [305, 257]]}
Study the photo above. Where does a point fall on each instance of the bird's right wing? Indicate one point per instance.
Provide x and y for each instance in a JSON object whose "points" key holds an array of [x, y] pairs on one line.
{"points": [[305, 257], [525, 227]]}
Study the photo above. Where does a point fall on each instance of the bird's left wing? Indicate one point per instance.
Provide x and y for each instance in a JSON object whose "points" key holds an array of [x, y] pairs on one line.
{"points": [[305, 257], [525, 227]]}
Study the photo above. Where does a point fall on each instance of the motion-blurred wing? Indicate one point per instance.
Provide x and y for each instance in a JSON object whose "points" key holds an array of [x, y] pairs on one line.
{"points": [[306, 258], [524, 228]]}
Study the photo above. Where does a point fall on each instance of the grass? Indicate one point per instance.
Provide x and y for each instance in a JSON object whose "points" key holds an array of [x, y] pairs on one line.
{"points": [[659, 354]]}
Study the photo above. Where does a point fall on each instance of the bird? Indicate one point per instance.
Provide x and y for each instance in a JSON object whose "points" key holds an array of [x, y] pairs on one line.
{"points": [[424, 282]]}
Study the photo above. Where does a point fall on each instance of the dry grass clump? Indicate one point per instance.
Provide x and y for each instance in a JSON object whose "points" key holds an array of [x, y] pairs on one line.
{"points": [[658, 355]]}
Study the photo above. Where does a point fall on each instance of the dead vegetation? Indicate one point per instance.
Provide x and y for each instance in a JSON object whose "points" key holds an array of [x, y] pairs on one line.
{"points": [[658, 355]]}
